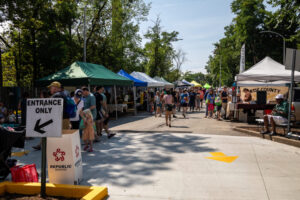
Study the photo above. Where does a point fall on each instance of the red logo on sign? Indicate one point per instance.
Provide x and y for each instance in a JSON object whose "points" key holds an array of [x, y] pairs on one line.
{"points": [[77, 151], [59, 155]]}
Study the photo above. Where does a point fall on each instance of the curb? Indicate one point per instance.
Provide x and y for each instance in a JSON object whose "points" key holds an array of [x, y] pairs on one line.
{"points": [[291, 142]]}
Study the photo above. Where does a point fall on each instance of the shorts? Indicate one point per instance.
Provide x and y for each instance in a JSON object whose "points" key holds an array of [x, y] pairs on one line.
{"points": [[210, 107], [184, 104], [169, 107], [278, 119], [219, 108], [105, 122], [159, 105]]}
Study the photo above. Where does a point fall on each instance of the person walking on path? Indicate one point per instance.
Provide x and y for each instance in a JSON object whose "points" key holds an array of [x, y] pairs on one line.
{"points": [[192, 100], [218, 104], [224, 97], [201, 95], [75, 121], [184, 99], [210, 101], [158, 104], [206, 106], [106, 115], [168, 100], [88, 131], [173, 93], [100, 116]]}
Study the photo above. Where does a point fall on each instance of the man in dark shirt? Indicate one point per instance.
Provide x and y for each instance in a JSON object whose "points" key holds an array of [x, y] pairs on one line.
{"points": [[100, 117], [224, 96]]}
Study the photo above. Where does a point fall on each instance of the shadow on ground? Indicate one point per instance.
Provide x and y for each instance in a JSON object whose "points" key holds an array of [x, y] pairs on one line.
{"points": [[131, 159]]}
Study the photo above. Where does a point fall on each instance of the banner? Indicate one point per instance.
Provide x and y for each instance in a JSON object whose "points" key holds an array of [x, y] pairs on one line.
{"points": [[271, 92], [242, 60]]}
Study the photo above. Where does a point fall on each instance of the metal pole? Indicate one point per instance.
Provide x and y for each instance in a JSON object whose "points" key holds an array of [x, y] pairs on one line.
{"points": [[43, 177], [283, 51], [220, 71], [84, 35], [134, 100], [291, 91], [115, 90]]}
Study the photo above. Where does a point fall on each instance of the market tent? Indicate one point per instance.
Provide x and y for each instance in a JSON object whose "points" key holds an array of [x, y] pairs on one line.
{"points": [[81, 73], [167, 84], [196, 84], [263, 83], [186, 82], [207, 86], [144, 77], [180, 84], [267, 70], [136, 82]]}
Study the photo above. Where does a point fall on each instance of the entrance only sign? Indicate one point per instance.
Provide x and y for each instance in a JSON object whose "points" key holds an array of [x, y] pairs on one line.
{"points": [[44, 117]]}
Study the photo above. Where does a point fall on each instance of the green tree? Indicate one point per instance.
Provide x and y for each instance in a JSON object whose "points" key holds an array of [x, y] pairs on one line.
{"points": [[159, 50]]}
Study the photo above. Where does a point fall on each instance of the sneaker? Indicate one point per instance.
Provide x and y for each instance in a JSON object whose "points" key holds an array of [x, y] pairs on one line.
{"points": [[37, 147], [273, 133], [265, 132], [174, 116], [86, 147], [169, 125], [111, 135]]}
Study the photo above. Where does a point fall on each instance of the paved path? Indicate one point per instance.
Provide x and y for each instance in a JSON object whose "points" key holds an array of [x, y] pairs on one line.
{"points": [[147, 160]]}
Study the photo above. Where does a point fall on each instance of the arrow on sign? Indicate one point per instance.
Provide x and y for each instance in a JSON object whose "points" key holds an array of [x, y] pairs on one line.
{"points": [[38, 127], [219, 156]]}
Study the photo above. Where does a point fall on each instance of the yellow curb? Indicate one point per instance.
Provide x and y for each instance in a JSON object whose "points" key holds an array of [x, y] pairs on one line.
{"points": [[69, 191]]}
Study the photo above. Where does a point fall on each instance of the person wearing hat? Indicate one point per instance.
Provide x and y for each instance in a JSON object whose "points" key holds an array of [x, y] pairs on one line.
{"points": [[75, 121], [55, 89], [278, 116]]}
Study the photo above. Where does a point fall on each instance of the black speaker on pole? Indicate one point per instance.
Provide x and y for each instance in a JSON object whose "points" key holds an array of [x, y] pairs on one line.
{"points": [[261, 97]]}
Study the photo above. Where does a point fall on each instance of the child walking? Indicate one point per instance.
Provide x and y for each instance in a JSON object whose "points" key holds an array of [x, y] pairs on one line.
{"points": [[88, 131]]}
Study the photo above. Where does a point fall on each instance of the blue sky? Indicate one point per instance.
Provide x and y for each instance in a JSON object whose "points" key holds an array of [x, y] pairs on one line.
{"points": [[200, 23]]}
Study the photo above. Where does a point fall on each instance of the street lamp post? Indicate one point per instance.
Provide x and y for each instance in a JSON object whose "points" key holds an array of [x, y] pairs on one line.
{"points": [[283, 38]]}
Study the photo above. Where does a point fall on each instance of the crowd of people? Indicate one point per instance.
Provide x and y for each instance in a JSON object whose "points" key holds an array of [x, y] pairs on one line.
{"points": [[184, 100], [90, 114]]}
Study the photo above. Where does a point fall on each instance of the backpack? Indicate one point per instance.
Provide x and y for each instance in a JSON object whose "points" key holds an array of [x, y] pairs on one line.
{"points": [[71, 107], [218, 101]]}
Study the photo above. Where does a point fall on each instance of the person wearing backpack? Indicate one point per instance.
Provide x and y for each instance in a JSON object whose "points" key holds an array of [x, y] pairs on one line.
{"points": [[55, 92]]}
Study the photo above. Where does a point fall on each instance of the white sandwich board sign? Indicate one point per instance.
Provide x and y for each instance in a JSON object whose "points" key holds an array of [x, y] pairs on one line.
{"points": [[44, 117]]}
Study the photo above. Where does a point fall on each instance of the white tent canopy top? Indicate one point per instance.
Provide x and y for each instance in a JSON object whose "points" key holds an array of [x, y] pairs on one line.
{"points": [[267, 71], [144, 77]]}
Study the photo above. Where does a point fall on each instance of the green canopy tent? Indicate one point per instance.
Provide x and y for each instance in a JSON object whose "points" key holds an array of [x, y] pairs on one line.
{"points": [[207, 86], [81, 73]]}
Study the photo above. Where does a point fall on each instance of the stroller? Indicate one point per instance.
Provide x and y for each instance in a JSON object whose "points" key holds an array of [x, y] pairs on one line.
{"points": [[9, 139]]}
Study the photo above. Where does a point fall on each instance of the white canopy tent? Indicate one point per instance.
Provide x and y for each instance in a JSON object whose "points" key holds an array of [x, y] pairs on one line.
{"points": [[266, 72], [167, 84], [144, 77]]}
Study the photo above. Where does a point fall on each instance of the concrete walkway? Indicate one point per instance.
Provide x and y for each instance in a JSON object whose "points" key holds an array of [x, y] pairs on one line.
{"points": [[147, 160]]}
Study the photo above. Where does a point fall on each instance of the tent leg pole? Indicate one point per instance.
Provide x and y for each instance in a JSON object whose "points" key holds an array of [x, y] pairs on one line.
{"points": [[134, 100], [115, 90]]}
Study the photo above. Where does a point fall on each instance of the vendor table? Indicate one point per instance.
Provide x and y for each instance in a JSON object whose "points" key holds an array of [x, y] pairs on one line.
{"points": [[255, 106], [249, 107], [119, 107]]}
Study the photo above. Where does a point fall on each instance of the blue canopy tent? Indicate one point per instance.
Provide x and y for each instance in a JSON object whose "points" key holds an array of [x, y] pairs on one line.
{"points": [[137, 82]]}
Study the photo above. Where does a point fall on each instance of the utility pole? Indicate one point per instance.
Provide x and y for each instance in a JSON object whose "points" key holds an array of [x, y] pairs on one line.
{"points": [[220, 71], [84, 35]]}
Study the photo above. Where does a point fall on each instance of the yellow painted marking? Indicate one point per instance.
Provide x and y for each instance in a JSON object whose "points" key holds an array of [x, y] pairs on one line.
{"points": [[219, 156], [20, 153]]}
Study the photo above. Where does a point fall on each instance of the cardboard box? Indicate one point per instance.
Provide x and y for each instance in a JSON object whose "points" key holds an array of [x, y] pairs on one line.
{"points": [[64, 158]]}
